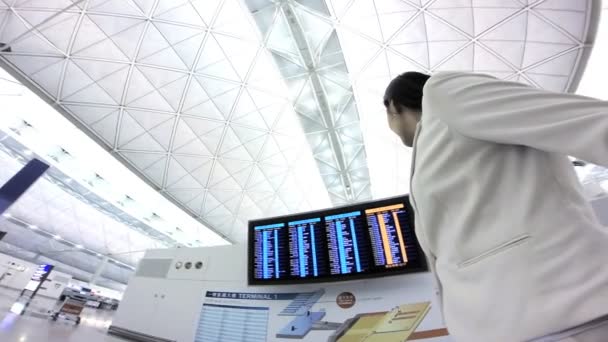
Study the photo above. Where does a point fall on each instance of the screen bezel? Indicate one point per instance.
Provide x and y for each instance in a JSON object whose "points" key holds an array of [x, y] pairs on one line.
{"points": [[327, 212]]}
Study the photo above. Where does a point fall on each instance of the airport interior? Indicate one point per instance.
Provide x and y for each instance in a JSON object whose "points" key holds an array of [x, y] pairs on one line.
{"points": [[228, 170]]}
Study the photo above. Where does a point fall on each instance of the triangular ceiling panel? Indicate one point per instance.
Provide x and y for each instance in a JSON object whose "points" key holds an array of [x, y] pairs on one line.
{"points": [[144, 142], [175, 172], [463, 60], [193, 163], [185, 141], [461, 18], [153, 122], [49, 77], [207, 10], [572, 22], [160, 77], [214, 87], [180, 12], [361, 15], [195, 95], [32, 64], [412, 32], [488, 61], [106, 128], [90, 115], [512, 29], [239, 52], [115, 6], [139, 86], [538, 52], [146, 6], [205, 110], [75, 79], [550, 82], [541, 30], [15, 31], [152, 100], [153, 42], [439, 51], [209, 132], [240, 171], [398, 64], [264, 74], [441, 30], [122, 31], [563, 5], [103, 49], [58, 29], [232, 19], [415, 52], [114, 84], [218, 175], [558, 66], [165, 58], [513, 52], [225, 102], [188, 49], [187, 196], [487, 18], [210, 203], [229, 140], [92, 94], [91, 41], [129, 129], [174, 91]]}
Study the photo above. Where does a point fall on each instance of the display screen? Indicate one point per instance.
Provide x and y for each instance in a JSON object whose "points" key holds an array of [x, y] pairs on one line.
{"points": [[363, 240]]}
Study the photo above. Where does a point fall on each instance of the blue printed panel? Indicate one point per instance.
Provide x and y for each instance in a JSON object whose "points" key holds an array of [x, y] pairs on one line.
{"points": [[221, 323]]}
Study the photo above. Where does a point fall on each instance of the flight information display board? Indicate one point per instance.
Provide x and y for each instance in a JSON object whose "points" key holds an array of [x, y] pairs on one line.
{"points": [[363, 240]]}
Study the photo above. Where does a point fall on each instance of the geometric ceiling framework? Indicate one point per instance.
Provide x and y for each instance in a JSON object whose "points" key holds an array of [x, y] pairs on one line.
{"points": [[242, 109], [303, 42], [179, 90], [542, 43]]}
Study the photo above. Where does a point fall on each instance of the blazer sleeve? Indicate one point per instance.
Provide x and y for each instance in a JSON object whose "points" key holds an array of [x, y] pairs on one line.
{"points": [[485, 108]]}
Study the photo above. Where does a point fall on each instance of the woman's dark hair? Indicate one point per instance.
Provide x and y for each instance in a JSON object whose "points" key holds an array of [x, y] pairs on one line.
{"points": [[406, 91]]}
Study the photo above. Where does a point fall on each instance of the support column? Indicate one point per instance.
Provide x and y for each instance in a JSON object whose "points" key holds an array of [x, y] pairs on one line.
{"points": [[18, 185], [99, 270]]}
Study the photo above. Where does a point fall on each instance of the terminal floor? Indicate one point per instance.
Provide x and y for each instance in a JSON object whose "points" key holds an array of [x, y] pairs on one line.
{"points": [[35, 326]]}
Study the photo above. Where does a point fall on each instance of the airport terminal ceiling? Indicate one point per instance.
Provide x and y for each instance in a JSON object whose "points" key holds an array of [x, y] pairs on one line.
{"points": [[234, 110]]}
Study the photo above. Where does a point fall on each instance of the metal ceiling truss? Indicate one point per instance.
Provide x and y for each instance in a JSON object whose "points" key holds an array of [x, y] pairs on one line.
{"points": [[322, 97]]}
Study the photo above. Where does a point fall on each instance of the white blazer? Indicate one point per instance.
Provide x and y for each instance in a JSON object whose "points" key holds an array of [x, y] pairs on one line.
{"points": [[515, 246]]}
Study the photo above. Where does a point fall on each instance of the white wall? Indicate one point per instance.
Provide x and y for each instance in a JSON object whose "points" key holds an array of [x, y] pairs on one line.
{"points": [[170, 307], [15, 273]]}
